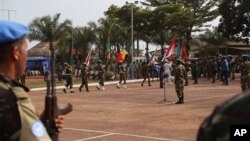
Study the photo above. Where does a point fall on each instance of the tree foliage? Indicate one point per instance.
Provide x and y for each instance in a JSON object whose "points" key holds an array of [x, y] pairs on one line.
{"points": [[235, 19], [48, 29]]}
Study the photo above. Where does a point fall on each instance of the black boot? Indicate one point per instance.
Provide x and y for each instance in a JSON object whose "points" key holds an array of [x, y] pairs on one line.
{"points": [[182, 100], [179, 101]]}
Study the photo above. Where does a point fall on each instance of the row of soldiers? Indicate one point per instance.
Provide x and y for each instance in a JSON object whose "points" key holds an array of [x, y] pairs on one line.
{"points": [[220, 68], [110, 70]]}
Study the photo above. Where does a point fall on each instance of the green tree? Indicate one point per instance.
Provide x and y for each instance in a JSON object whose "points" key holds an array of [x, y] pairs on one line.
{"points": [[212, 41], [84, 37], [202, 11], [235, 19], [49, 29]]}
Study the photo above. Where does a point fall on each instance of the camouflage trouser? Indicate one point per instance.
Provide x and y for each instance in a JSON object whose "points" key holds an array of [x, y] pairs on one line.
{"points": [[101, 82], [245, 84], [69, 82], [179, 88], [84, 82], [144, 79], [122, 77]]}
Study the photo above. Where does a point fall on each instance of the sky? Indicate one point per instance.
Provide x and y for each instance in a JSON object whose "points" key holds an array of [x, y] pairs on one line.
{"points": [[80, 12]]}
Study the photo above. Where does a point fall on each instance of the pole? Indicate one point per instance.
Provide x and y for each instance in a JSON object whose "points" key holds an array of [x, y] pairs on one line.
{"points": [[8, 12], [71, 47], [132, 32]]}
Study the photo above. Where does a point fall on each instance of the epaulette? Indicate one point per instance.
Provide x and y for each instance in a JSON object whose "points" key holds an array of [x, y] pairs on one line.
{"points": [[12, 83]]}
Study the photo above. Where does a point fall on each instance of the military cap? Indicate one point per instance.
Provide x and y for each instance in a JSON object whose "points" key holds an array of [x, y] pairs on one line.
{"points": [[12, 31]]}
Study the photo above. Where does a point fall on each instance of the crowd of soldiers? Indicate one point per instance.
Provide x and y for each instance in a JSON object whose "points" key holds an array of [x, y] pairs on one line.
{"points": [[219, 68], [20, 121]]}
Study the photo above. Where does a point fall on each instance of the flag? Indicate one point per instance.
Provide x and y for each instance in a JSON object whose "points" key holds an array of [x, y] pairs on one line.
{"points": [[119, 58], [169, 50], [88, 57], [124, 52], [178, 50], [184, 53]]}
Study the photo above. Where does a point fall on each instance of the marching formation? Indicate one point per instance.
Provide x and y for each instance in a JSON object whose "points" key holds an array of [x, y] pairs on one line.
{"points": [[217, 68]]}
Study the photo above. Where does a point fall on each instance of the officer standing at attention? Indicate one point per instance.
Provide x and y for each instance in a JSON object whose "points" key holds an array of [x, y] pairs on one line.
{"points": [[84, 71], [18, 119], [179, 81]]}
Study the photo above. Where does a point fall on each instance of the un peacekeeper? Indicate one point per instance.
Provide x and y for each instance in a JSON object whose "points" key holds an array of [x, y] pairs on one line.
{"points": [[179, 81], [84, 71], [18, 118], [216, 127], [244, 77]]}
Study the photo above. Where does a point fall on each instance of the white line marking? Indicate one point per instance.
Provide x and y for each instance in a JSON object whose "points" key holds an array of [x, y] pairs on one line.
{"points": [[96, 137], [86, 130], [90, 84], [121, 134]]}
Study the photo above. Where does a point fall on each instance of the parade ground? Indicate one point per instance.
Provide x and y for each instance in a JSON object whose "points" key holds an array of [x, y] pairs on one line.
{"points": [[138, 113]]}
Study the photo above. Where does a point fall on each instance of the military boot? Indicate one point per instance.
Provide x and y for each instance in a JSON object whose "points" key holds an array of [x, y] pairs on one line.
{"points": [[179, 101], [182, 100]]}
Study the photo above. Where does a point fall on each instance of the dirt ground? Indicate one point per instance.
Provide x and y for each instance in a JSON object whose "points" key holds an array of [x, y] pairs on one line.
{"points": [[138, 113]]}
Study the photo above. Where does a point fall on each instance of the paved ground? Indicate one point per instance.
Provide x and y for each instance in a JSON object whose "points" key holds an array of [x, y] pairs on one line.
{"points": [[138, 113]]}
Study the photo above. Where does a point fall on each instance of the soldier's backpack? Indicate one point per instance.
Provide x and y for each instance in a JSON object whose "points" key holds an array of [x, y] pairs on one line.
{"points": [[10, 123], [234, 111]]}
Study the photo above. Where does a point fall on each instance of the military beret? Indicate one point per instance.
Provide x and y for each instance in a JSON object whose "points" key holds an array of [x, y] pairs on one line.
{"points": [[12, 31]]}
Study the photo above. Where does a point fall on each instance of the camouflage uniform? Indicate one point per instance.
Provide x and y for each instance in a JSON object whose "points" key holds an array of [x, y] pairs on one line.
{"points": [[100, 70], [145, 73], [233, 111], [194, 71], [68, 77], [179, 82], [213, 70], [122, 71], [84, 72], [244, 78], [233, 68], [186, 64], [17, 114]]}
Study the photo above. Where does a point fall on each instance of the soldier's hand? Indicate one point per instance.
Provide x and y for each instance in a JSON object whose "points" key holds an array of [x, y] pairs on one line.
{"points": [[59, 122]]}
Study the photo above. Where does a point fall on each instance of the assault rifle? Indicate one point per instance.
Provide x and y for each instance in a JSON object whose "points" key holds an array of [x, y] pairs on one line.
{"points": [[51, 110]]}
